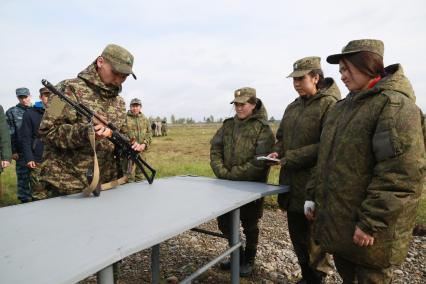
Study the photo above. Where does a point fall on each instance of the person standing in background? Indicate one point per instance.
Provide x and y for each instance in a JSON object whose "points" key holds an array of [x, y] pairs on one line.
{"points": [[32, 147], [139, 129], [5, 147], [14, 119]]}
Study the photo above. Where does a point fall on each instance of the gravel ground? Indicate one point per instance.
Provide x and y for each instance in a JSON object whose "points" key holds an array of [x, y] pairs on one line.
{"points": [[275, 262]]}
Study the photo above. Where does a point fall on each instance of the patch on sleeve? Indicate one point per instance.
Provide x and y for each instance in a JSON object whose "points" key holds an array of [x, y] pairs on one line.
{"points": [[56, 107], [382, 145]]}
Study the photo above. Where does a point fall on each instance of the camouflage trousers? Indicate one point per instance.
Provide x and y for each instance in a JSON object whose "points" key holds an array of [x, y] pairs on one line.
{"points": [[23, 180], [136, 173], [249, 216], [354, 273], [314, 262], [38, 188]]}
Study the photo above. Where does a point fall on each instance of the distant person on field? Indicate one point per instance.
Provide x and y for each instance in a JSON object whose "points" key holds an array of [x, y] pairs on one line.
{"points": [[14, 119], [158, 128], [140, 130], [297, 145], [153, 128], [233, 153], [370, 167], [164, 128], [32, 147]]}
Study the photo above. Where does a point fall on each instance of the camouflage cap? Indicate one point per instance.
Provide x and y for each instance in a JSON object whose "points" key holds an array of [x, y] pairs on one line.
{"points": [[44, 91], [135, 101], [243, 95], [371, 45], [22, 92], [120, 59], [305, 65]]}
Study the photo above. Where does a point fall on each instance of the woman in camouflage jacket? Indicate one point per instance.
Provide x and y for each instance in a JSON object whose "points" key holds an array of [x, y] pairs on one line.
{"points": [[370, 167], [297, 146], [233, 156]]}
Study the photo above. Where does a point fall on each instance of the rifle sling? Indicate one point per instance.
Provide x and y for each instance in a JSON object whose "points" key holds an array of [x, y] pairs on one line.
{"points": [[95, 181]]}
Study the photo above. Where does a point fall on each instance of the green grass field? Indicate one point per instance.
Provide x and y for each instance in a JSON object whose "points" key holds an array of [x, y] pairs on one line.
{"points": [[185, 151]]}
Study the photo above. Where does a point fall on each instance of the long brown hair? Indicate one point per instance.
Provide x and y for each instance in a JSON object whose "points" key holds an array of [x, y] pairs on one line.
{"points": [[368, 63]]}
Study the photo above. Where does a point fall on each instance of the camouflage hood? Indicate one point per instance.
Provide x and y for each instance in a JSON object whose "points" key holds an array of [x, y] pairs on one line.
{"points": [[394, 80], [91, 77], [259, 113], [330, 89]]}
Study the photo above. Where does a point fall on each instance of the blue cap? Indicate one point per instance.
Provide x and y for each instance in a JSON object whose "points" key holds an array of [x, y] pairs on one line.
{"points": [[22, 92]]}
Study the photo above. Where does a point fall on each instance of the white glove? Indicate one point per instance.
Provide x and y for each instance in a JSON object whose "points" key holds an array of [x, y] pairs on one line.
{"points": [[309, 207]]}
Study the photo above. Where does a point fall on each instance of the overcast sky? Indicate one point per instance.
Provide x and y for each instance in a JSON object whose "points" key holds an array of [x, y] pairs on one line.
{"points": [[191, 55]]}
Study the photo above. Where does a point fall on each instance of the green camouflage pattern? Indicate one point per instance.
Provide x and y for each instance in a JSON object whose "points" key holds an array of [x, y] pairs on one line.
{"points": [[68, 154], [121, 60], [305, 65], [139, 128], [298, 138], [236, 144], [370, 172], [242, 95], [5, 146], [371, 45]]}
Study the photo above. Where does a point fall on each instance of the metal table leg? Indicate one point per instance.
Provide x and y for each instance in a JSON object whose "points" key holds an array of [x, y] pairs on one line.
{"points": [[155, 264], [235, 239], [106, 275]]}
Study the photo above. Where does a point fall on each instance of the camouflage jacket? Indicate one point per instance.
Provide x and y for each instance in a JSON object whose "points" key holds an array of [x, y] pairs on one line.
{"points": [[68, 154], [298, 140], [236, 144], [14, 117], [370, 168], [139, 128], [5, 148]]}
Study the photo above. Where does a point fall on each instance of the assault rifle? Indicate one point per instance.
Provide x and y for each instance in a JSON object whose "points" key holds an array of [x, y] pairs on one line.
{"points": [[121, 142]]}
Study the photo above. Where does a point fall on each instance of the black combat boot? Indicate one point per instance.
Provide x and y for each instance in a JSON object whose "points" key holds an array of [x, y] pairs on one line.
{"points": [[246, 267], [226, 264], [309, 276]]}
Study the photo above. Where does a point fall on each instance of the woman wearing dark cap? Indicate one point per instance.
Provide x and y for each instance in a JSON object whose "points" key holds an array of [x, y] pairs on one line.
{"points": [[297, 146], [370, 167]]}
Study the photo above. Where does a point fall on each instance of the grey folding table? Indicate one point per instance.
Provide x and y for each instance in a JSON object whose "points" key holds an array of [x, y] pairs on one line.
{"points": [[66, 239]]}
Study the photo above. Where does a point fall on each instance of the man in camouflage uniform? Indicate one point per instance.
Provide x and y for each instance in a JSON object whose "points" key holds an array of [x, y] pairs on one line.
{"points": [[68, 155], [140, 130], [5, 147], [233, 153], [14, 119], [32, 147], [297, 146], [370, 168], [164, 128]]}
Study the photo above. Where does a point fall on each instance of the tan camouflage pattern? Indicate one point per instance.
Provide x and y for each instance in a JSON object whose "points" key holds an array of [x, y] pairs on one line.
{"points": [[236, 144], [298, 139], [139, 128], [370, 168], [67, 154]]}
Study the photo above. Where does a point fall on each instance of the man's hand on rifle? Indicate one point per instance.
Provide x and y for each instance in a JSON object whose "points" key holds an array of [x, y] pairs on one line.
{"points": [[136, 146], [101, 130]]}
